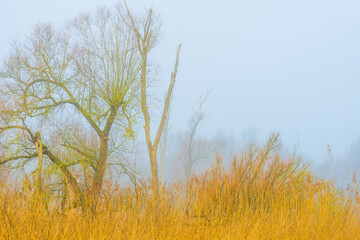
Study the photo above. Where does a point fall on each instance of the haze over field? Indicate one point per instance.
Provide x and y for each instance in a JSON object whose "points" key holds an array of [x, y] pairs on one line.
{"points": [[287, 66], [179, 120]]}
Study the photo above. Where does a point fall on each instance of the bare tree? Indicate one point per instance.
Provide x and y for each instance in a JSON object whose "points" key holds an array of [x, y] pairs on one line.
{"points": [[88, 72], [195, 149], [146, 33], [163, 145]]}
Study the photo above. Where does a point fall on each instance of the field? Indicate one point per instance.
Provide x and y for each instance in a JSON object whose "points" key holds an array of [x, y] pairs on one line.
{"points": [[258, 196]]}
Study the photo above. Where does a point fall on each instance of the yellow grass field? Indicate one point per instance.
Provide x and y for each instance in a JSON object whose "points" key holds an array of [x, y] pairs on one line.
{"points": [[260, 196]]}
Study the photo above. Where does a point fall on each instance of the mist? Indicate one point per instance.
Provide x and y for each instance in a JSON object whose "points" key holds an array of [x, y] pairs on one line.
{"points": [[272, 66]]}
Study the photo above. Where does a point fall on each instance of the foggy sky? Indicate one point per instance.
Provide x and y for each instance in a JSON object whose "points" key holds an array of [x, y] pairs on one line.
{"points": [[287, 66]]}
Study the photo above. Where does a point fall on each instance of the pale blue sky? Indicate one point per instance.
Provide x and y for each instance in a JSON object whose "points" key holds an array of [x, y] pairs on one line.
{"points": [[276, 65]]}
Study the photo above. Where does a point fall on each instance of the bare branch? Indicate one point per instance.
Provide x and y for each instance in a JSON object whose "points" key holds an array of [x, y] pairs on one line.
{"points": [[3, 161], [167, 100]]}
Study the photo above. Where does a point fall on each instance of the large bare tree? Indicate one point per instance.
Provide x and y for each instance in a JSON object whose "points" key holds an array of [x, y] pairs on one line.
{"points": [[85, 76], [147, 33]]}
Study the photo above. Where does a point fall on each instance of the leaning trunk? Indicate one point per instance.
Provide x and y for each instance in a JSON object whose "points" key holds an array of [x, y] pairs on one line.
{"points": [[68, 176]]}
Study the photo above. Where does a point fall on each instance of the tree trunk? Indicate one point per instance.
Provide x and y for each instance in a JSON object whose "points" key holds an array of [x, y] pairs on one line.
{"points": [[39, 150], [154, 173], [99, 172]]}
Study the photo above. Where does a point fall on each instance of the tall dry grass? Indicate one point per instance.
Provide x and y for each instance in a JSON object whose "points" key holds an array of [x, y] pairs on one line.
{"points": [[260, 196]]}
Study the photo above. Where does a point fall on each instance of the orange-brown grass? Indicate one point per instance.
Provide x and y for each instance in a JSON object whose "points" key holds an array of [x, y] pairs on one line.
{"points": [[260, 196]]}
